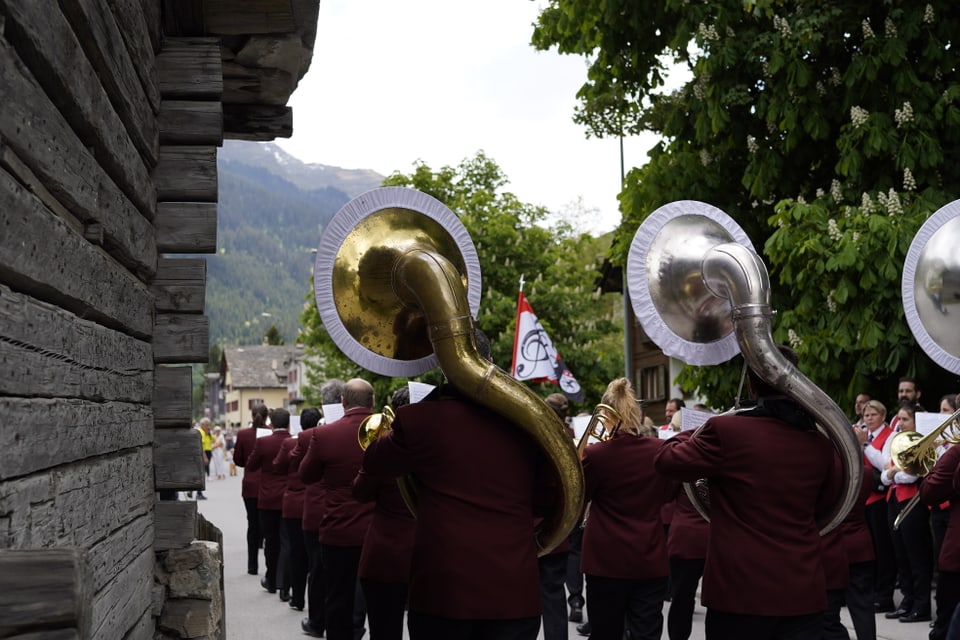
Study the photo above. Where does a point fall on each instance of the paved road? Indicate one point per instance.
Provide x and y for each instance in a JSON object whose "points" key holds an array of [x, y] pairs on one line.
{"points": [[252, 613]]}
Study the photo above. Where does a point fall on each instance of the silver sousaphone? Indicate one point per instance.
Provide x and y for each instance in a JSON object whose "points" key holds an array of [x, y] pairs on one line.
{"points": [[702, 294]]}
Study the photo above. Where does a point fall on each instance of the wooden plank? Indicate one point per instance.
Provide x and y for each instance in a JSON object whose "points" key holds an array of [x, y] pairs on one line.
{"points": [[180, 285], [50, 261], [152, 17], [178, 460], [22, 173], [252, 85], [43, 589], [45, 142], [190, 69], [120, 605], [133, 26], [79, 504], [191, 122], [259, 122], [181, 338], [108, 557], [72, 430], [172, 397], [186, 174], [100, 38], [182, 18], [187, 227], [252, 16], [48, 46], [174, 524]]}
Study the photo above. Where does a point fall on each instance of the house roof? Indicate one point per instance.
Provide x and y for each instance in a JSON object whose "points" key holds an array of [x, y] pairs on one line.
{"points": [[262, 366]]}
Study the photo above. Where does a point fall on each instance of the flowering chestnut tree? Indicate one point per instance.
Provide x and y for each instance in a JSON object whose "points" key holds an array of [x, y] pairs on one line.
{"points": [[828, 130]]}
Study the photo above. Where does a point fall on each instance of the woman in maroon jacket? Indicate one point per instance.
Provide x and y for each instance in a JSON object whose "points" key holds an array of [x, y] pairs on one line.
{"points": [[624, 546], [687, 551], [250, 487], [941, 484]]}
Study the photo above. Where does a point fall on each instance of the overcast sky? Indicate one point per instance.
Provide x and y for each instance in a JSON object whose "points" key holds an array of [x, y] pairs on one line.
{"points": [[438, 80]]}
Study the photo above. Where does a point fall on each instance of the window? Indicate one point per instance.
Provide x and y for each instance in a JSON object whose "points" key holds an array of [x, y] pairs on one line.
{"points": [[652, 383], [254, 402]]}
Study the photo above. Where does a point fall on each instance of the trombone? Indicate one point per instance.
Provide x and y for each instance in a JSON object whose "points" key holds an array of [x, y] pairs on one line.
{"points": [[602, 426], [916, 454]]}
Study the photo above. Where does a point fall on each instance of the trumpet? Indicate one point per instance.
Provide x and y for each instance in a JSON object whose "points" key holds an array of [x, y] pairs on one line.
{"points": [[374, 426], [602, 426], [916, 454]]}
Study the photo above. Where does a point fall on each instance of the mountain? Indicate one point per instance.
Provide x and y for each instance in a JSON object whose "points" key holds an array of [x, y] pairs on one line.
{"points": [[272, 211]]}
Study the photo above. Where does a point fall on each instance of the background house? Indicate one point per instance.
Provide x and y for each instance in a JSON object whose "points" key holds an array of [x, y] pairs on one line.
{"points": [[254, 375]]}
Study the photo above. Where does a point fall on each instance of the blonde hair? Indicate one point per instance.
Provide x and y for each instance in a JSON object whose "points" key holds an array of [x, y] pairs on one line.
{"points": [[619, 395], [877, 406]]}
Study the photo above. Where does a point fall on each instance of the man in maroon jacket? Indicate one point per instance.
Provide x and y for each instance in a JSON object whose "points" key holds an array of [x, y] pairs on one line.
{"points": [[250, 487], [474, 567], [333, 459], [936, 488], [273, 482], [771, 474]]}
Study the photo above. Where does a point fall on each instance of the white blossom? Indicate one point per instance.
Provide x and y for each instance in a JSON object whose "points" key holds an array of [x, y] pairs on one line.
{"points": [[928, 14], [889, 29], [903, 115], [752, 144], [891, 202], [835, 78], [781, 25], [833, 230], [820, 193], [858, 116], [855, 237], [831, 303], [866, 203], [867, 29], [707, 33], [909, 183], [835, 190], [821, 89], [794, 339], [705, 158]]}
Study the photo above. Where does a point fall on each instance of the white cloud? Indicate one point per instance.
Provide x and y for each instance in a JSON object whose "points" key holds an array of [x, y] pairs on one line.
{"points": [[434, 80]]}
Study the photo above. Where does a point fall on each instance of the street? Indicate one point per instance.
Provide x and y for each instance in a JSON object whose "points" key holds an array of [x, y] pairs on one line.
{"points": [[250, 611]]}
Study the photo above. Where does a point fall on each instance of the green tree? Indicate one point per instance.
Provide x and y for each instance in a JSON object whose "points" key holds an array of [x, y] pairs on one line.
{"points": [[273, 336], [827, 130], [558, 264]]}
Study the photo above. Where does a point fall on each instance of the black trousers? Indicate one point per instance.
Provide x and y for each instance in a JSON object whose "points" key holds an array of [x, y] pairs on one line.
{"points": [[254, 537], [574, 577], [296, 561], [860, 598], [553, 597], [939, 520], [884, 557], [426, 627], [685, 575], [913, 547], [340, 580], [833, 628], [721, 625], [316, 587], [948, 596], [386, 602], [271, 521], [611, 600]]}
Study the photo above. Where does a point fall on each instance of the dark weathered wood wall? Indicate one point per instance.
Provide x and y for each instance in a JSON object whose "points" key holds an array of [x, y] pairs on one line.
{"points": [[91, 318]]}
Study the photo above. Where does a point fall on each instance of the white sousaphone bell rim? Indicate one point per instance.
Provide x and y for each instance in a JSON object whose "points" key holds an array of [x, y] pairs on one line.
{"points": [[673, 345], [337, 230], [934, 223]]}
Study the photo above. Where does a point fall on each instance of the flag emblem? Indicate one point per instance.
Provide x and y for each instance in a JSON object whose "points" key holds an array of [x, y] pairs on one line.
{"points": [[535, 359]]}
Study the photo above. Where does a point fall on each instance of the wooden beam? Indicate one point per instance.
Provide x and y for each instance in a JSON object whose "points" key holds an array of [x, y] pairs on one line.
{"points": [[186, 174], [190, 69], [180, 285], [181, 338], [172, 397], [175, 524], [178, 460], [133, 25], [43, 590], [187, 227], [191, 122], [257, 122], [251, 16]]}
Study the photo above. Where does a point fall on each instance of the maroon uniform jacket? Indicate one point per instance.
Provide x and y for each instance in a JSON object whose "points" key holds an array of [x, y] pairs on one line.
{"points": [[293, 495], [689, 531], [333, 459], [273, 482], [856, 535], [242, 449], [768, 482], [474, 552], [943, 483], [313, 494], [623, 536], [389, 543]]}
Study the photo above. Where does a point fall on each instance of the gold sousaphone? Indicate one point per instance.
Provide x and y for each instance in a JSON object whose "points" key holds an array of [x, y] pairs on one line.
{"points": [[930, 288], [702, 294], [397, 286]]}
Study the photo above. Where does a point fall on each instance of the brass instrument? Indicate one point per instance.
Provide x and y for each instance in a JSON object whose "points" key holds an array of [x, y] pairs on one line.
{"points": [[397, 286], [374, 426], [931, 282], [599, 426], [916, 454], [702, 294]]}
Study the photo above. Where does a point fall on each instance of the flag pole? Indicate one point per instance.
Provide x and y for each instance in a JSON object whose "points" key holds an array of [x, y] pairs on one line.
{"points": [[521, 283]]}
